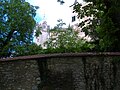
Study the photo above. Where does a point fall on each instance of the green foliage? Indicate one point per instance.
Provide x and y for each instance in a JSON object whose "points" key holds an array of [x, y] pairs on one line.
{"points": [[60, 24], [62, 40], [102, 23], [16, 25], [37, 29], [67, 40], [91, 19], [30, 49]]}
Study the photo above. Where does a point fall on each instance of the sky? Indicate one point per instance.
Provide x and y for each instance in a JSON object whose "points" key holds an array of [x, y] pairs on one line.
{"points": [[51, 11]]}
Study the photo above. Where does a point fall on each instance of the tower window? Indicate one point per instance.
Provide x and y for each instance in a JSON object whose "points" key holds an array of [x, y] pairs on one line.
{"points": [[73, 18]]}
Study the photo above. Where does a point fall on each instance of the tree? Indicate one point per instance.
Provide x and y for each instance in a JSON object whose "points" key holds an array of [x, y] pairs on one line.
{"points": [[66, 40], [16, 25], [104, 23], [61, 2], [60, 24], [28, 49]]}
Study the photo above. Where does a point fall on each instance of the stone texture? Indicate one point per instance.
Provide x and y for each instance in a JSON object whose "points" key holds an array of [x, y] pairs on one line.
{"points": [[70, 73], [19, 75]]}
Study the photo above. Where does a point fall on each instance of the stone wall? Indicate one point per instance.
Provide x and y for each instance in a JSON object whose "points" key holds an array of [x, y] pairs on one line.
{"points": [[69, 73], [19, 75], [87, 73]]}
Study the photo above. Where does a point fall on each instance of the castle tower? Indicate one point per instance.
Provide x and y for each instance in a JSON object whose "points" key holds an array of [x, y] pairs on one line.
{"points": [[44, 36]]}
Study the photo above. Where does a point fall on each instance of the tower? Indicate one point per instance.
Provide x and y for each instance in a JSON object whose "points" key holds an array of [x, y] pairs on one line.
{"points": [[44, 36]]}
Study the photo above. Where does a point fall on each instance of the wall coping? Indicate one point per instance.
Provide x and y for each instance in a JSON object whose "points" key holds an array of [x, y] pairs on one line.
{"points": [[60, 55]]}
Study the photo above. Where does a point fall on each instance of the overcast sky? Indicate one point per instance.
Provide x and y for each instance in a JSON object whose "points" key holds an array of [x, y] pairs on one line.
{"points": [[52, 10]]}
